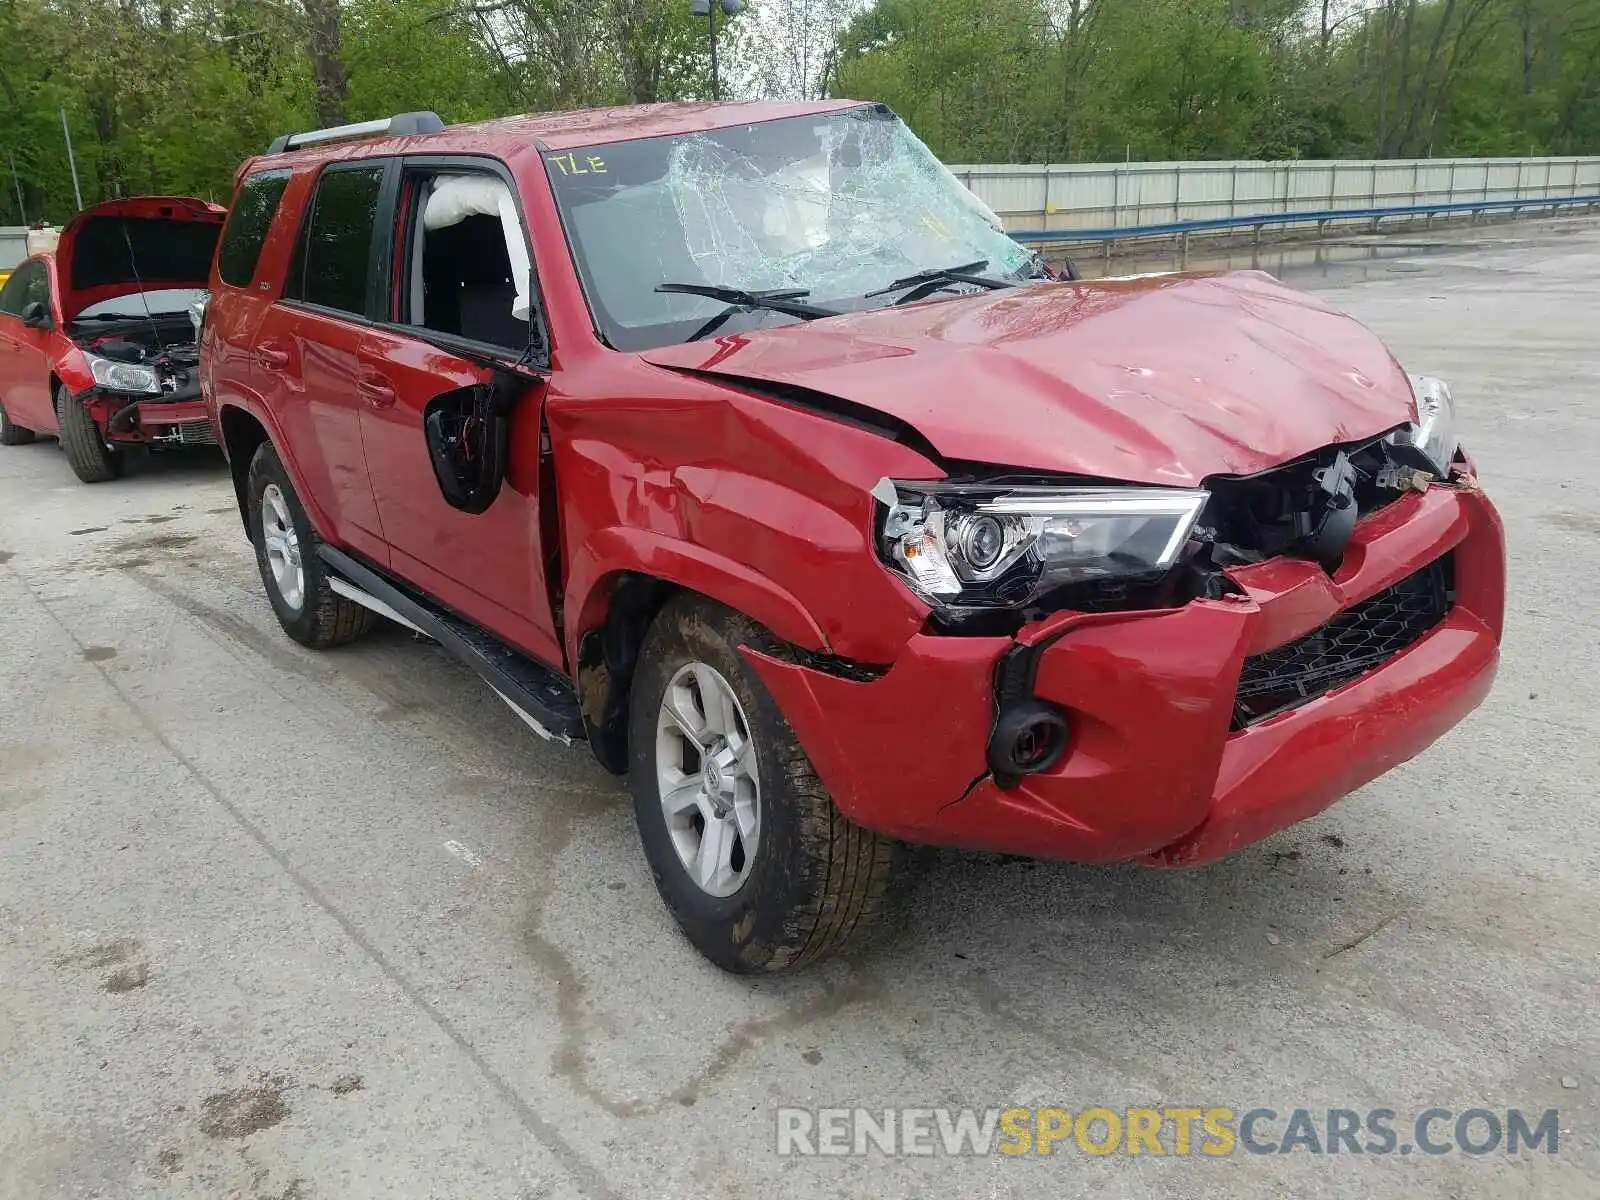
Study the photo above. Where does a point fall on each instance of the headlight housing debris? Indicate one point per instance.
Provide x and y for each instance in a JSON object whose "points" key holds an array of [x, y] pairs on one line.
{"points": [[1434, 434], [964, 547]]}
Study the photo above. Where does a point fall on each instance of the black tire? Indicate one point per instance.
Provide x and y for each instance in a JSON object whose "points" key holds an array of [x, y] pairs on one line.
{"points": [[10, 434], [323, 618], [91, 460], [815, 879]]}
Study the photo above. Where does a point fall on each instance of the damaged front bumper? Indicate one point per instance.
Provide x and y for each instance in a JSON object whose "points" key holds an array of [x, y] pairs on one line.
{"points": [[164, 420], [1160, 764]]}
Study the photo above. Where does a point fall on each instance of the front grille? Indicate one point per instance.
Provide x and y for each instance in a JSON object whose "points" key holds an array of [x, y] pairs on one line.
{"points": [[1360, 639], [197, 433]]}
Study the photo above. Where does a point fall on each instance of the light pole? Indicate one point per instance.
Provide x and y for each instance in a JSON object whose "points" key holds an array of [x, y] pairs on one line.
{"points": [[71, 160], [708, 10]]}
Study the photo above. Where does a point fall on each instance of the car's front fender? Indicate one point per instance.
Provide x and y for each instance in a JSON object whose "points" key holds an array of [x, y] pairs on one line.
{"points": [[613, 551]]}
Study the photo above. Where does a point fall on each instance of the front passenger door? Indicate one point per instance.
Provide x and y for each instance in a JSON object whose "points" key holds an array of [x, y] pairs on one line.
{"points": [[24, 350], [459, 252]]}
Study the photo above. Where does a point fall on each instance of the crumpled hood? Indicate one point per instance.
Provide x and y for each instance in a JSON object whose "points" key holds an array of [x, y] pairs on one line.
{"points": [[1164, 380]]}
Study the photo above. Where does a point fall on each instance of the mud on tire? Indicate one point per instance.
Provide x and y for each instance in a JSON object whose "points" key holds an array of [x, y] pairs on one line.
{"points": [[323, 618], [91, 459], [814, 878]]}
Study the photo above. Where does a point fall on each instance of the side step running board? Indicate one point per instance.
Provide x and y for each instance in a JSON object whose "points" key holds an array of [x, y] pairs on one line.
{"points": [[541, 697]]}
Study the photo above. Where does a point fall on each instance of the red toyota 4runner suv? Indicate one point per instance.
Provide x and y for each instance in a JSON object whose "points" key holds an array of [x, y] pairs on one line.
{"points": [[97, 338], [740, 441]]}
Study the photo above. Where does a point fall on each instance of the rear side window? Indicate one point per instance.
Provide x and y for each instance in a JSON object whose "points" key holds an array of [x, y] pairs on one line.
{"points": [[253, 210], [335, 253]]}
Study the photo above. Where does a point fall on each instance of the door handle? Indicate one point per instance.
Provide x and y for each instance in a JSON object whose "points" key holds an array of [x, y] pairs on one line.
{"points": [[272, 357], [376, 390]]}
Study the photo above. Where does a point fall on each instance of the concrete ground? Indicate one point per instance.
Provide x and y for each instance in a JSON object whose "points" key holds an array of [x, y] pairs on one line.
{"points": [[280, 924]]}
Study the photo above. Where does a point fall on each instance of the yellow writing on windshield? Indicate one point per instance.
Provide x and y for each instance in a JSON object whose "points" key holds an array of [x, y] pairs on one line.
{"points": [[571, 164]]}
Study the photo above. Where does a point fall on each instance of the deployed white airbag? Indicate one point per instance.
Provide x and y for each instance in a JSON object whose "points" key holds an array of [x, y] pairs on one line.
{"points": [[457, 197]]}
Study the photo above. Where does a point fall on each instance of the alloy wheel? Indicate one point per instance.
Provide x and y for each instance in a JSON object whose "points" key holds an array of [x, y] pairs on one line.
{"points": [[282, 545], [706, 772]]}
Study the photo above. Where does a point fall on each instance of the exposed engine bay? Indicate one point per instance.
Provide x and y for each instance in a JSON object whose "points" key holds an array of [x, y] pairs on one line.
{"points": [[165, 346], [1307, 508]]}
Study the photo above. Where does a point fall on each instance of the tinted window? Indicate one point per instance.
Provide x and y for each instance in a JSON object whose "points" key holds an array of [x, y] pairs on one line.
{"points": [[335, 251], [38, 287], [27, 284], [11, 300], [253, 210]]}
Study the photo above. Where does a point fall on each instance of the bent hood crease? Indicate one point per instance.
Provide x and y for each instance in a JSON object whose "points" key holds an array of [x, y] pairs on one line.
{"points": [[1163, 380]]}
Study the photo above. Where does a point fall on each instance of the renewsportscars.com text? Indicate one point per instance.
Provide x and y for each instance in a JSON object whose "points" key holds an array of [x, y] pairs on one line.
{"points": [[1171, 1131]]}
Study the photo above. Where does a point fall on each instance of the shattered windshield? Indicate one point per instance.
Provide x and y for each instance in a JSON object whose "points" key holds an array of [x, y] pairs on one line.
{"points": [[835, 206]]}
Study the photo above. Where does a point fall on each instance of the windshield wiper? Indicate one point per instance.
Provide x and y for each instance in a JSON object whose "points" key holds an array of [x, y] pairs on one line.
{"points": [[784, 300], [925, 283]]}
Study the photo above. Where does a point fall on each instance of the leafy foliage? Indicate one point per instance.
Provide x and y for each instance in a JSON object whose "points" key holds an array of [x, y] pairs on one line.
{"points": [[171, 95], [1099, 80]]}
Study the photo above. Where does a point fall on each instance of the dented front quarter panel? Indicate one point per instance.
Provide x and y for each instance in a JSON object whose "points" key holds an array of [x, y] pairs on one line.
{"points": [[68, 364], [764, 507]]}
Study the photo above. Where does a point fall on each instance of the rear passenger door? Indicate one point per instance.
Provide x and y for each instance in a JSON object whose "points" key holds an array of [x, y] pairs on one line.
{"points": [[307, 346]]}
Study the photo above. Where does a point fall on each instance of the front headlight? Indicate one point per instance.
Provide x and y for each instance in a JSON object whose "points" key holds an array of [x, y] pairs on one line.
{"points": [[973, 546], [1434, 434], [123, 377]]}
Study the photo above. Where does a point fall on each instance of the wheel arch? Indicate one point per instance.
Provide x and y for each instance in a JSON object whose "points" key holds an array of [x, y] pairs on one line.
{"points": [[242, 435], [244, 429], [619, 581], [56, 387]]}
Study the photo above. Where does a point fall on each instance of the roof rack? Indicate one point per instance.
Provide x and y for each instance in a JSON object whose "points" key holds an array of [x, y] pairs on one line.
{"points": [[400, 125]]}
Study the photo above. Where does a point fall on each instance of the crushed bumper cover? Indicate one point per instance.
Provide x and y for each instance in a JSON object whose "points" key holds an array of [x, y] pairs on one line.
{"points": [[1154, 771], [183, 421], [152, 419]]}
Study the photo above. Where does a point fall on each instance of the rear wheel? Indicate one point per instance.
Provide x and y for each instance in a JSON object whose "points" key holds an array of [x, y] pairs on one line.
{"points": [[10, 434], [91, 459], [759, 868], [308, 608]]}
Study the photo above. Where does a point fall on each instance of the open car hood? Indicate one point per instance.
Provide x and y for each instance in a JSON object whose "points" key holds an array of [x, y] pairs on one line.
{"points": [[143, 243], [1163, 380]]}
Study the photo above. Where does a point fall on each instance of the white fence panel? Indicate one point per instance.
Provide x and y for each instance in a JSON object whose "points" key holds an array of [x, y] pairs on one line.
{"points": [[1124, 196], [13, 245]]}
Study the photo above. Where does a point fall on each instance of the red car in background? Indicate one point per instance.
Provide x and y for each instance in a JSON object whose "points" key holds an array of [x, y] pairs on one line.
{"points": [[98, 339], [740, 441]]}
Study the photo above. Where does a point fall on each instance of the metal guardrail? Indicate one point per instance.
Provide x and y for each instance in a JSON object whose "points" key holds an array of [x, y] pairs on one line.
{"points": [[1260, 221], [1061, 196]]}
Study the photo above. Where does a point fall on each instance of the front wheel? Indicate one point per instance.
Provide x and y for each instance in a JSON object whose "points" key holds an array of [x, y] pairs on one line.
{"points": [[12, 434], [761, 871], [91, 459]]}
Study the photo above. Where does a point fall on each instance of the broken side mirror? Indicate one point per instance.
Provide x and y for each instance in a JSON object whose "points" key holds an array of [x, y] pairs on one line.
{"points": [[35, 315], [469, 439]]}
